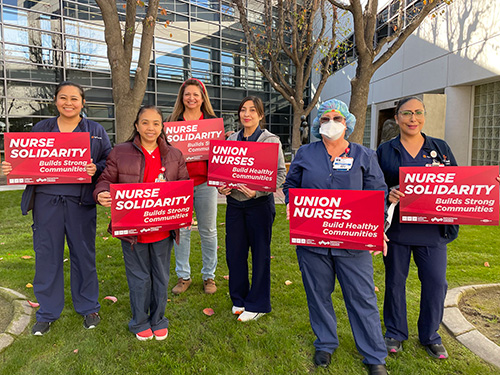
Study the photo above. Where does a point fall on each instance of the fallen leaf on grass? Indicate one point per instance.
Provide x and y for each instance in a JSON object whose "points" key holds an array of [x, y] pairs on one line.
{"points": [[26, 257], [376, 289], [2, 243], [111, 298], [226, 277], [75, 351], [272, 256], [105, 238], [208, 311], [222, 224], [109, 256], [29, 285], [33, 304], [288, 282], [486, 264], [169, 300]]}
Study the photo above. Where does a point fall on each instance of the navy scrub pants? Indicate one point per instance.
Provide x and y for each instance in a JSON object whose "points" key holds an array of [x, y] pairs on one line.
{"points": [[431, 263], [54, 218], [147, 266], [354, 270], [249, 224]]}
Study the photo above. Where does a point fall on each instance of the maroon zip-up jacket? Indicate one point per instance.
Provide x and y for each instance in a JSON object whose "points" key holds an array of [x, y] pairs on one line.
{"points": [[126, 162]]}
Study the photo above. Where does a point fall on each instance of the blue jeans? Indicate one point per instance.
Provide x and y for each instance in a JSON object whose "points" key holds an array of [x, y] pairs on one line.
{"points": [[205, 206]]}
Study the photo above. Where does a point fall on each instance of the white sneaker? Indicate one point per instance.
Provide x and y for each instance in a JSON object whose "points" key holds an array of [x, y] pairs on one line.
{"points": [[248, 315], [237, 310]]}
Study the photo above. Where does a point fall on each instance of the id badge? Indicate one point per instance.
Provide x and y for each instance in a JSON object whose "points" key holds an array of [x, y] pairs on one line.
{"points": [[342, 163]]}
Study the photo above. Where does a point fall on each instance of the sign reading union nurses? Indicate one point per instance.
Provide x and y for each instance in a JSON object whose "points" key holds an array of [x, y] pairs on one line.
{"points": [[344, 219], [150, 207], [47, 158], [449, 195], [193, 137], [234, 163]]}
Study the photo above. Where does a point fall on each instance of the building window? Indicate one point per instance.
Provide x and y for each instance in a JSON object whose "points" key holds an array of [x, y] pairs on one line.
{"points": [[486, 125], [368, 127], [45, 42]]}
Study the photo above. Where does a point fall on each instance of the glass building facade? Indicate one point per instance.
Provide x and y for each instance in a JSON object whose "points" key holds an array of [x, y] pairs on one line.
{"points": [[44, 42]]}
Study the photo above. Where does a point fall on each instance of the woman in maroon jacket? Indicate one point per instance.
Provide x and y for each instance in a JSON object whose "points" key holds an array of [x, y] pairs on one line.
{"points": [[146, 157]]}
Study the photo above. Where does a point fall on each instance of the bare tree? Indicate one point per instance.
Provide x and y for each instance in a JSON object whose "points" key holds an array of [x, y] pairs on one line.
{"points": [[369, 51], [285, 44], [120, 40]]}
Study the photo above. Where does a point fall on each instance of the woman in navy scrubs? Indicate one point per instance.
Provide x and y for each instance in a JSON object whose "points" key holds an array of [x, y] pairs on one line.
{"points": [[427, 242], [66, 211], [316, 167], [249, 224]]}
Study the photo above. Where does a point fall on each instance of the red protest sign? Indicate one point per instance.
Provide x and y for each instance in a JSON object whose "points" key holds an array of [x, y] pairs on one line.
{"points": [[150, 207], [449, 195], [253, 164], [344, 219], [47, 158], [193, 137]]}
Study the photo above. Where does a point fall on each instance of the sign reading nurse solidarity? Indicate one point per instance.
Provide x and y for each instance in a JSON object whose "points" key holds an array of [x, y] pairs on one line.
{"points": [[150, 207], [193, 137], [344, 219], [449, 195], [47, 158], [234, 163]]}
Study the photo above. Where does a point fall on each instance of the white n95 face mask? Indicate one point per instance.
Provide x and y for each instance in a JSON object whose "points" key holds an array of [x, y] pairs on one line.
{"points": [[332, 129]]}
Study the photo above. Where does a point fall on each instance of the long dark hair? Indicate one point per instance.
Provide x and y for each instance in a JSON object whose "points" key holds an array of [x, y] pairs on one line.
{"points": [[259, 106], [142, 109], [206, 106]]}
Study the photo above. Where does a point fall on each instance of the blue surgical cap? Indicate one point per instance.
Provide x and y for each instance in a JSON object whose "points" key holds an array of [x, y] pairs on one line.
{"points": [[338, 106]]}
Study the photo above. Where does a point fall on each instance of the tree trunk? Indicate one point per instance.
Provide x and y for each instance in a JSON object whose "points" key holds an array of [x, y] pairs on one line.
{"points": [[360, 87], [296, 142], [125, 114]]}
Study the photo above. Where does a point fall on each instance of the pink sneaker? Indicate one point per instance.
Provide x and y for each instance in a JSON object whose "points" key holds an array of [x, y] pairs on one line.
{"points": [[144, 335], [161, 334]]}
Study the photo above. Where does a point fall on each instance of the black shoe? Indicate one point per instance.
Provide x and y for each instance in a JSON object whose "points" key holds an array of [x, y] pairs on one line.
{"points": [[377, 370], [436, 351], [393, 345], [91, 320], [40, 328], [322, 359]]}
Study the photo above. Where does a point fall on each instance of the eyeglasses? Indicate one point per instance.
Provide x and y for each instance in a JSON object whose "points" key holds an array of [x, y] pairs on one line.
{"points": [[407, 114], [324, 120]]}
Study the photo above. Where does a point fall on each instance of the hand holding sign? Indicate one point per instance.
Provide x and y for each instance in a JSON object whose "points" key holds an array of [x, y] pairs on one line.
{"points": [[6, 168], [104, 198]]}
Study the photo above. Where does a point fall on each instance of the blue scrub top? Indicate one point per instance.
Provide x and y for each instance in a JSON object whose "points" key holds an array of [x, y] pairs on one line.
{"points": [[414, 234], [312, 168]]}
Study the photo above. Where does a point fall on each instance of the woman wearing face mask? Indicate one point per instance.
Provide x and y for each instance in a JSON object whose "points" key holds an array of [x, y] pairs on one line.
{"points": [[335, 163]]}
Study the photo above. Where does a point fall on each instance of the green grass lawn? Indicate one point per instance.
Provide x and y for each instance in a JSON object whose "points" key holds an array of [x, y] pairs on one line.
{"points": [[279, 343]]}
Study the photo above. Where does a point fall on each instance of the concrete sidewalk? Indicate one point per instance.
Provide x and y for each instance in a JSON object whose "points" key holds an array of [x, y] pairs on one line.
{"points": [[465, 332]]}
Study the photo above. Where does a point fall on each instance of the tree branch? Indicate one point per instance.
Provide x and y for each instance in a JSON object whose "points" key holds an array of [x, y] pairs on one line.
{"points": [[340, 5], [403, 35]]}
